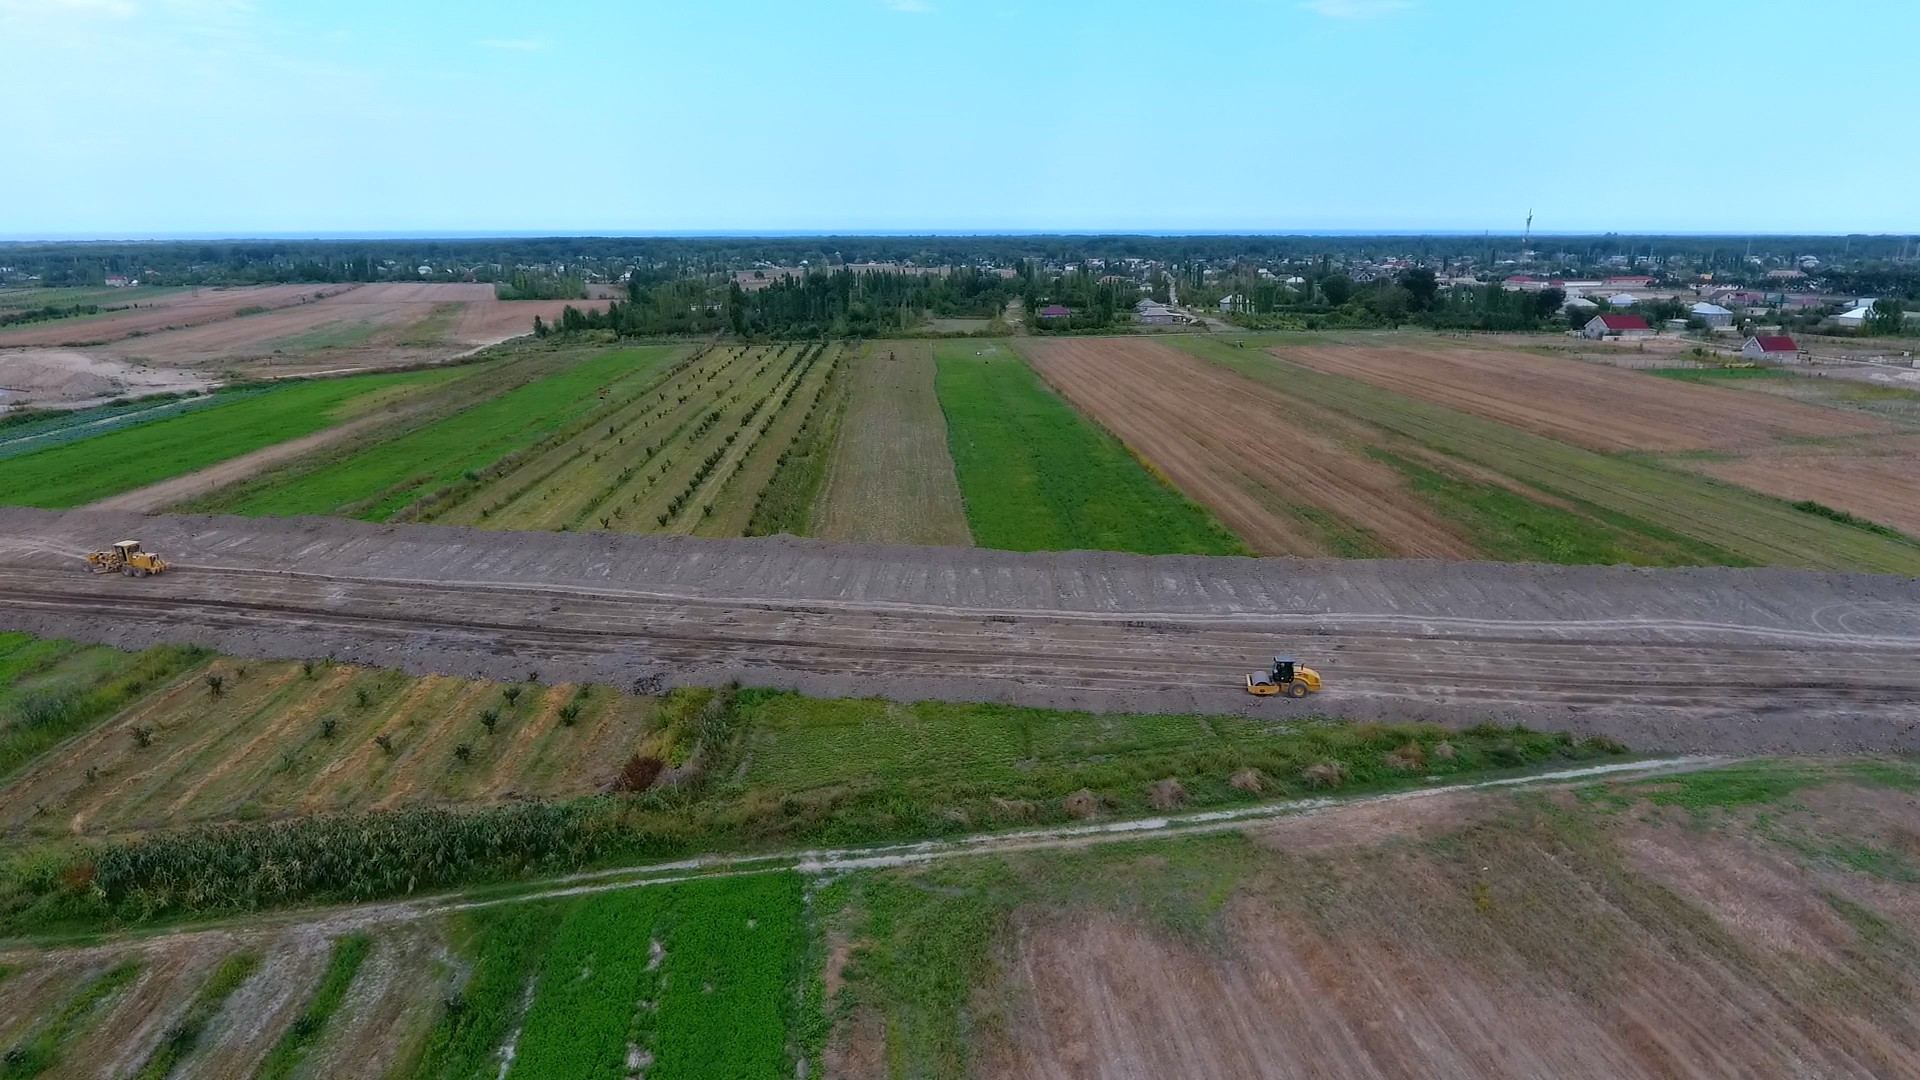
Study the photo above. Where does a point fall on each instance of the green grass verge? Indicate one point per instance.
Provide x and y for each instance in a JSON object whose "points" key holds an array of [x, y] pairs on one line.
{"points": [[185, 1034], [1037, 476], [51, 690], [121, 460], [342, 965], [378, 481], [40, 1050]]}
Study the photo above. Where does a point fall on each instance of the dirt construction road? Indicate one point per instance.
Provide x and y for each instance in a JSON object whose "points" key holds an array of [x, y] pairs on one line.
{"points": [[1704, 659]]}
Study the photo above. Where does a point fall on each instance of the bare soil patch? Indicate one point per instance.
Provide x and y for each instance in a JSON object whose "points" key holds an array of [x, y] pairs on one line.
{"points": [[1282, 478], [891, 479], [71, 378], [1585, 404]]}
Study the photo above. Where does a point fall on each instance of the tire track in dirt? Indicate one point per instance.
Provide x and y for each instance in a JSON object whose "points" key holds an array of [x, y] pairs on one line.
{"points": [[1281, 479]]}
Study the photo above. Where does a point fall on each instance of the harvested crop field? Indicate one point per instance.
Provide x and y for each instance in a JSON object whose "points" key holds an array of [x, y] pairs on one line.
{"points": [[1583, 404], [1683, 659], [891, 476], [1523, 496], [1874, 479], [367, 325], [1288, 480]]}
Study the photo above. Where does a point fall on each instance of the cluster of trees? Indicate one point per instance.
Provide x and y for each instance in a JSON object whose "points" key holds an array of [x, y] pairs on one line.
{"points": [[1096, 304], [1414, 296], [532, 285], [49, 311], [834, 303]]}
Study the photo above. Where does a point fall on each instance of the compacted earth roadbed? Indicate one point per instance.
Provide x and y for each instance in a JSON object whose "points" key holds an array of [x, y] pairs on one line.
{"points": [[1694, 659]]}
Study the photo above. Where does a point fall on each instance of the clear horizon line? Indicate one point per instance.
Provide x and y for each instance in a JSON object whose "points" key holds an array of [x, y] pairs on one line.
{"points": [[241, 236]]}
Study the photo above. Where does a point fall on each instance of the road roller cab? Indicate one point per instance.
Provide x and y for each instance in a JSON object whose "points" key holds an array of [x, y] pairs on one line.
{"points": [[1287, 676]]}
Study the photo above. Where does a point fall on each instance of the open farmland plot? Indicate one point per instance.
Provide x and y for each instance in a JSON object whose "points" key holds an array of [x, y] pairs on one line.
{"points": [[1583, 404], [171, 311], [891, 476], [693, 980], [1875, 479], [126, 458], [413, 472], [197, 741], [1289, 481], [690, 451], [1036, 476], [1526, 497]]}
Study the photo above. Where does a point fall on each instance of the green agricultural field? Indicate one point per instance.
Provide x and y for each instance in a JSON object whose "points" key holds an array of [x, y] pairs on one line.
{"points": [[1037, 476], [51, 690], [1564, 503], [379, 481], [77, 473]]}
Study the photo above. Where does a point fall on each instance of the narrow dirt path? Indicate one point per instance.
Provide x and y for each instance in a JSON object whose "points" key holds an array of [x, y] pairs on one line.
{"points": [[328, 922], [178, 489]]}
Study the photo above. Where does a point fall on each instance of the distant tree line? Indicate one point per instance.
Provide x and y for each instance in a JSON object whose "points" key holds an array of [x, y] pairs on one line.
{"points": [[836, 303]]}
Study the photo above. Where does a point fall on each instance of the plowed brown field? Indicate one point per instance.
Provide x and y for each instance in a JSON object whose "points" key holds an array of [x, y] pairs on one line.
{"points": [[1285, 480], [1588, 405], [166, 312]]}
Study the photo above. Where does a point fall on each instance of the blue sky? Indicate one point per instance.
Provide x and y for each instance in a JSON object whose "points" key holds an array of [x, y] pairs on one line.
{"points": [[244, 117]]}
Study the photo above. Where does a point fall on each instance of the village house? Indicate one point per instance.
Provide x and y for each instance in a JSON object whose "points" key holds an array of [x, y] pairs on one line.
{"points": [[1617, 326], [1770, 347]]}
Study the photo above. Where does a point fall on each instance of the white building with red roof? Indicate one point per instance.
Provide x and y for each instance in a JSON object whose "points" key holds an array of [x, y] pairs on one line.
{"points": [[1770, 347], [1617, 326]]}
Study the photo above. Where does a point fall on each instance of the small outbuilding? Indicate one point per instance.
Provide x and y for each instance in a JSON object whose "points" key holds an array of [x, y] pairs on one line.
{"points": [[1056, 311], [1770, 347], [1617, 326]]}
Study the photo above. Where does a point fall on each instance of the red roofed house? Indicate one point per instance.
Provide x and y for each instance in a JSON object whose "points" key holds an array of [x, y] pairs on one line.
{"points": [[1619, 326], [1055, 311], [1770, 347]]}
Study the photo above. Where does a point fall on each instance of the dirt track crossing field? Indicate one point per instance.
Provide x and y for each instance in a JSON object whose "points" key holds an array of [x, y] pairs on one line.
{"points": [[1686, 659], [1276, 474]]}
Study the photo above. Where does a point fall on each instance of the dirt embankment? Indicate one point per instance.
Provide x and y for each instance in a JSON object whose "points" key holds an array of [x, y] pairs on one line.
{"points": [[1677, 659]]}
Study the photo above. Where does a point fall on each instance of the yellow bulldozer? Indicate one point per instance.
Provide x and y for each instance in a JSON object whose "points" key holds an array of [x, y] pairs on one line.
{"points": [[127, 558], [1287, 676]]}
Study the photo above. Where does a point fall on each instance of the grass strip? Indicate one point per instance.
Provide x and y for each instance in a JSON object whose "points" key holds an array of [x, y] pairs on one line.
{"points": [[342, 965], [185, 1035], [1037, 476]]}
